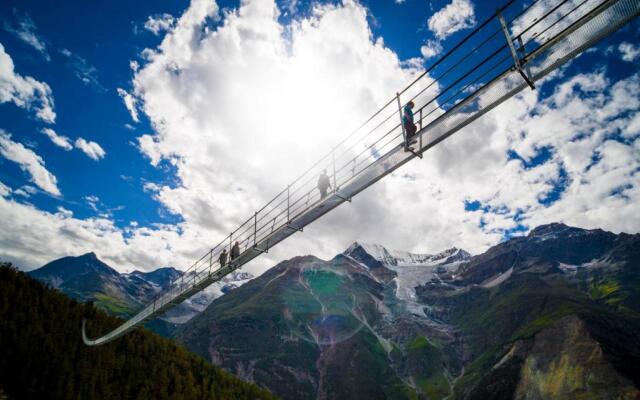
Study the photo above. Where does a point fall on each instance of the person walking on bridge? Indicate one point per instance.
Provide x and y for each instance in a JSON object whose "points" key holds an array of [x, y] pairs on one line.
{"points": [[407, 120], [323, 184], [223, 257], [235, 251]]}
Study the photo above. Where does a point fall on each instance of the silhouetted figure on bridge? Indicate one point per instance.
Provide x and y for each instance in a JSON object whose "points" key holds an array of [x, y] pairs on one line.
{"points": [[407, 120], [223, 257], [323, 184], [235, 251]]}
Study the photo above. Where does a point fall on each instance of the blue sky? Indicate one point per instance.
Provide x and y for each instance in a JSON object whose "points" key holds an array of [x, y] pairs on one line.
{"points": [[84, 52], [103, 38]]}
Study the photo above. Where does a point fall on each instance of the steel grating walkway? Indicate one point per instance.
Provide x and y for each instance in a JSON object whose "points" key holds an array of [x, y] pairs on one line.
{"points": [[519, 45]]}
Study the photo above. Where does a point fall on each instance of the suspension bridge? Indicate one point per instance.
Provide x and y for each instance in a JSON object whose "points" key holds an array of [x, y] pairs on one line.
{"points": [[508, 52]]}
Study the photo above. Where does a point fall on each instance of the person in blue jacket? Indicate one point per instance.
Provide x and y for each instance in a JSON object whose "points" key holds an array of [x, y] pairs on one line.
{"points": [[407, 120]]}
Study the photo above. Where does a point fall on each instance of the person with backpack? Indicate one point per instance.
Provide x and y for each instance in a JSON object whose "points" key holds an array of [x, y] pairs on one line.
{"points": [[223, 257], [235, 251], [323, 184], [407, 121]]}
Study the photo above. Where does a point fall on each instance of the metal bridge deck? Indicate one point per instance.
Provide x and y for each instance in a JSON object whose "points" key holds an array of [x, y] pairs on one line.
{"points": [[504, 55]]}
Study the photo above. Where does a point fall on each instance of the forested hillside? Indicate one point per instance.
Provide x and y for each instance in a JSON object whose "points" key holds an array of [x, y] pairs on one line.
{"points": [[42, 355]]}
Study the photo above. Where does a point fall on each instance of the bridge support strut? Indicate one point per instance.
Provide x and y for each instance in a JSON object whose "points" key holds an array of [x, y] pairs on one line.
{"points": [[512, 48]]}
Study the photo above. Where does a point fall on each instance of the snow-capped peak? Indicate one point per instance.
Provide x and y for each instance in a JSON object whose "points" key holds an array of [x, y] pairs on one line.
{"points": [[390, 257]]}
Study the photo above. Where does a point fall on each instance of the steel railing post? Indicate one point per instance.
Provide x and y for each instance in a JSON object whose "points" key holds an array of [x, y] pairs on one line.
{"points": [[421, 129], [333, 157], [255, 228], [288, 202], [404, 133], [210, 261], [516, 60]]}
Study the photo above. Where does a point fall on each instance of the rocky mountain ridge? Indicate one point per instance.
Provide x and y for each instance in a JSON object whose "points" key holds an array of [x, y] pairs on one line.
{"points": [[86, 278], [554, 314]]}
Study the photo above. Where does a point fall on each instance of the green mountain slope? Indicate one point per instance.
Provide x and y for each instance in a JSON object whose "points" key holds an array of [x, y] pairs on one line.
{"points": [[42, 355], [563, 324], [554, 315], [310, 328]]}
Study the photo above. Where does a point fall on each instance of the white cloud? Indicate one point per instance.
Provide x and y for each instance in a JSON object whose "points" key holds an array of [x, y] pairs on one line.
{"points": [[159, 23], [87, 73], [64, 213], [249, 86], [630, 53], [454, 17], [193, 85], [29, 162], [431, 49], [59, 234], [26, 31], [24, 92], [92, 202], [4, 190], [241, 109], [91, 149], [58, 140], [26, 191], [130, 103]]}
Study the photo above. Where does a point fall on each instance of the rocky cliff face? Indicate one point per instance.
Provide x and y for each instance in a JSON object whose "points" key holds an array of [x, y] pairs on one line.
{"points": [[551, 315]]}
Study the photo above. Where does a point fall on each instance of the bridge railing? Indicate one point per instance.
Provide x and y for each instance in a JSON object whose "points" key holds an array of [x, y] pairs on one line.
{"points": [[478, 59]]}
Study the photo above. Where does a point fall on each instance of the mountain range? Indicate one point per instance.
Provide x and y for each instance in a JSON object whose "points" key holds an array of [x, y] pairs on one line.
{"points": [[551, 315], [87, 279], [554, 314]]}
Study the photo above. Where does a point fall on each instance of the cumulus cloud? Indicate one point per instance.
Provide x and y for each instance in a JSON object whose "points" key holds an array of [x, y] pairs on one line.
{"points": [[91, 149], [26, 31], [159, 23], [194, 84], [26, 191], [129, 102], [630, 53], [58, 140], [454, 17], [29, 162], [430, 49], [241, 94], [24, 92], [60, 234], [4, 190], [239, 110]]}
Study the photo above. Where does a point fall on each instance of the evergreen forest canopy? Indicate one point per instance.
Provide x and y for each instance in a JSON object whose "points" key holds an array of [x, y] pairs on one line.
{"points": [[43, 356]]}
